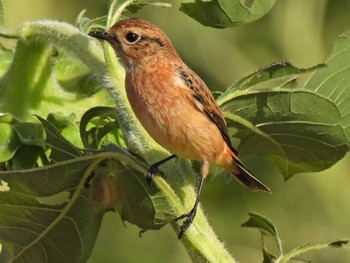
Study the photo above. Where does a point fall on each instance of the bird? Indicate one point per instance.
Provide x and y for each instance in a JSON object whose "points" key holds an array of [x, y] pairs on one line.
{"points": [[174, 105]]}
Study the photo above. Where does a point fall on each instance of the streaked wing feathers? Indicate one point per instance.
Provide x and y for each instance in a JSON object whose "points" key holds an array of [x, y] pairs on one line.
{"points": [[204, 101]]}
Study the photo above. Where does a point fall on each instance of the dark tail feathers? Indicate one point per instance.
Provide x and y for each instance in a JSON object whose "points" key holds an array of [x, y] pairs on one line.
{"points": [[247, 178]]}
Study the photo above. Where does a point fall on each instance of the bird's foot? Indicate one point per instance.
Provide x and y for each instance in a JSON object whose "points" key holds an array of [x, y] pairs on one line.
{"points": [[153, 170], [187, 222]]}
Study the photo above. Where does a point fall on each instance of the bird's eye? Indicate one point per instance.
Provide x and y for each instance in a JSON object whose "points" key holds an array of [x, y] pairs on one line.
{"points": [[132, 38]]}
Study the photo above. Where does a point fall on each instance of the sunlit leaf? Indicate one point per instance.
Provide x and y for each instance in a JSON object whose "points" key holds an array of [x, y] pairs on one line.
{"points": [[9, 142], [22, 142], [226, 13], [283, 117], [30, 133]]}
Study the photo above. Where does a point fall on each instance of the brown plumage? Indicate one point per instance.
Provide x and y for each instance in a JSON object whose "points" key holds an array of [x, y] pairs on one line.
{"points": [[173, 104]]}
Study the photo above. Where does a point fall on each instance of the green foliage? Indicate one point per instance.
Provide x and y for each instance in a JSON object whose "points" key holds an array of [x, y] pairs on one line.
{"points": [[227, 13], [60, 205], [63, 174], [267, 229], [296, 125]]}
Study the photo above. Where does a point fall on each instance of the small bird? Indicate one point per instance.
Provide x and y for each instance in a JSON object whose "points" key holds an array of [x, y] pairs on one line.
{"points": [[173, 104]]}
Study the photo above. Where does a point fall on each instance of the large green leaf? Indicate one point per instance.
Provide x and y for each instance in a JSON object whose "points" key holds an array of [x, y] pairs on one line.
{"points": [[333, 83], [297, 119], [227, 13], [41, 206]]}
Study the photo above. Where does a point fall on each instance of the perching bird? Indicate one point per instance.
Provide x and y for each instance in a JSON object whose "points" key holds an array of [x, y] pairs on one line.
{"points": [[173, 104]]}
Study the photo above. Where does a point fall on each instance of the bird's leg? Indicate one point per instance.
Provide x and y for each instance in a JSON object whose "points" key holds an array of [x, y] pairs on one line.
{"points": [[153, 170], [190, 216]]}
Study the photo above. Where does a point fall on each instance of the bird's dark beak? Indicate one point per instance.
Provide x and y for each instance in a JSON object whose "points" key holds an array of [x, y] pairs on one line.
{"points": [[100, 35]]}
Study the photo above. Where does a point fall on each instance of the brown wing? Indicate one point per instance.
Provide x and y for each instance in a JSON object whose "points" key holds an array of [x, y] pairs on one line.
{"points": [[204, 101]]}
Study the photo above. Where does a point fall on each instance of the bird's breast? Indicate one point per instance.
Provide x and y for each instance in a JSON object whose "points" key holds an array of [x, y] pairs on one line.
{"points": [[166, 110]]}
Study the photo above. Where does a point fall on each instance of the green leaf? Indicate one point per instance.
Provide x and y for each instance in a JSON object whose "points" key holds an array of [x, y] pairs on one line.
{"points": [[287, 120], [138, 5], [9, 142], [262, 223], [116, 9], [26, 157], [265, 226], [21, 141], [227, 13], [86, 24], [32, 228], [132, 197], [105, 121], [135, 7], [30, 133], [55, 199], [332, 83], [61, 149], [61, 121]]}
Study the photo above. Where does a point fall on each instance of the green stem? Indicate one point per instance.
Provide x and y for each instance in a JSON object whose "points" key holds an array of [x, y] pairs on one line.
{"points": [[294, 253], [199, 240], [8, 33], [23, 96], [68, 37], [18, 94]]}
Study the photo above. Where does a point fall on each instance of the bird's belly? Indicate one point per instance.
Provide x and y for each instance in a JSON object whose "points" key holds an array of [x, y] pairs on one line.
{"points": [[182, 130]]}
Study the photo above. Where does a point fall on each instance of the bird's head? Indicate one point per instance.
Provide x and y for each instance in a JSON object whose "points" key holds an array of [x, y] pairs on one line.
{"points": [[137, 41]]}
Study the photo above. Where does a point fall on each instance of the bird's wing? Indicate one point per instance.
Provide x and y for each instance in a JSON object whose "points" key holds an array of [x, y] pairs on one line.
{"points": [[205, 102]]}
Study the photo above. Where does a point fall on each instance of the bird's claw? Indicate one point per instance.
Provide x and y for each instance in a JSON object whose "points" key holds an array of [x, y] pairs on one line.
{"points": [[187, 222], [153, 170]]}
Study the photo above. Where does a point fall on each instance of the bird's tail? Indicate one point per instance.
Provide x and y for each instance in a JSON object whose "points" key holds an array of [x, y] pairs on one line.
{"points": [[244, 176]]}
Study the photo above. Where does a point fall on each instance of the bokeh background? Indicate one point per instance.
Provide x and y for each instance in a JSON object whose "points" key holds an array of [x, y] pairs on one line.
{"points": [[309, 208]]}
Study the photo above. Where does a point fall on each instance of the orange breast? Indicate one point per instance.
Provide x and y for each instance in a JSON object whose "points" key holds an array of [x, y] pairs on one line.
{"points": [[168, 114]]}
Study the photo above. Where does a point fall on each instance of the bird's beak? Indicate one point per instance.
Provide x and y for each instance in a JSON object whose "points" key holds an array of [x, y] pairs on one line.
{"points": [[100, 35]]}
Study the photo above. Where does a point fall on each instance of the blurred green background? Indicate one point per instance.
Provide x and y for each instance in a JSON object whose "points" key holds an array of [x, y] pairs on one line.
{"points": [[309, 208]]}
